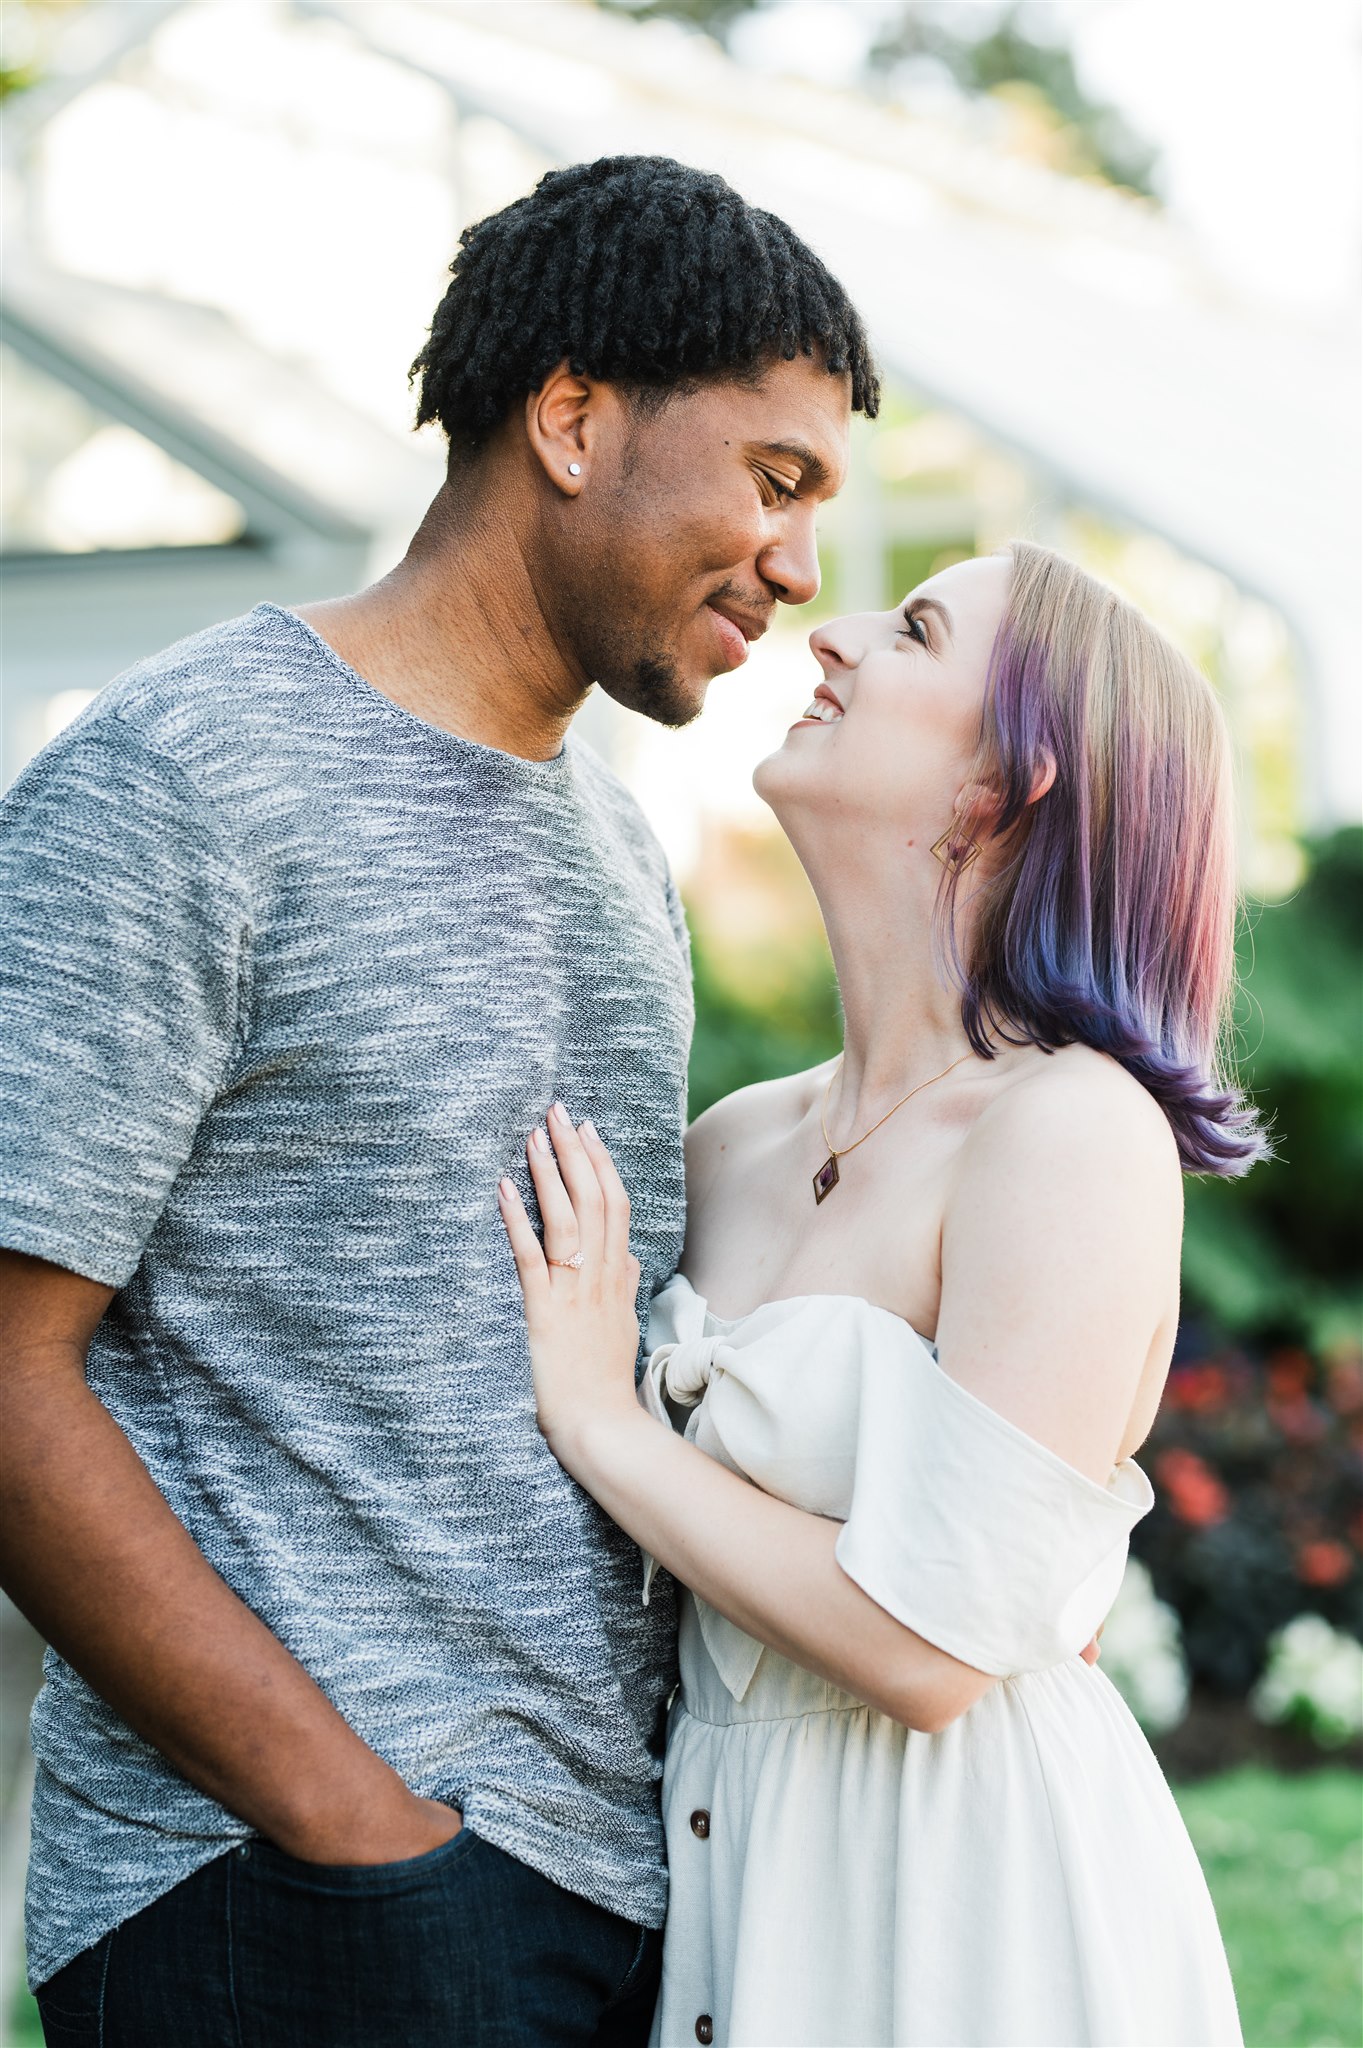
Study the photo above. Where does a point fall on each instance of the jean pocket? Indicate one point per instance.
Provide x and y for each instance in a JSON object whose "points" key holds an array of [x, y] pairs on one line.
{"points": [[71, 2003], [360, 1880]]}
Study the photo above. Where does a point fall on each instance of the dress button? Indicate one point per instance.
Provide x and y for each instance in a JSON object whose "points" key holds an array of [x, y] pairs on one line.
{"points": [[705, 2028], [700, 1823]]}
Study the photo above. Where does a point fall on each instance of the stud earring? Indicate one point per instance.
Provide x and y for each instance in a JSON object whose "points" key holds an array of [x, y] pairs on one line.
{"points": [[574, 469]]}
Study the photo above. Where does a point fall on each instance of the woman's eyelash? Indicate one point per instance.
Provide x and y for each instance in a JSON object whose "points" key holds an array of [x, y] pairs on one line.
{"points": [[912, 621], [783, 490]]}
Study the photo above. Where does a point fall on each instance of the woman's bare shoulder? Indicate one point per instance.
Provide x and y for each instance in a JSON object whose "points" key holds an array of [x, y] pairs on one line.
{"points": [[1060, 1253], [1079, 1090], [1079, 1100]]}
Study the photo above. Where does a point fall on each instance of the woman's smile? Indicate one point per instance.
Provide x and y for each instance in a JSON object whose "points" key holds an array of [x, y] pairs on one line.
{"points": [[825, 709]]}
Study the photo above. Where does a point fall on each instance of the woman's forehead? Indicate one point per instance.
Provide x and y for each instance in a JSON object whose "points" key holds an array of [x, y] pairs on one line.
{"points": [[973, 593]]}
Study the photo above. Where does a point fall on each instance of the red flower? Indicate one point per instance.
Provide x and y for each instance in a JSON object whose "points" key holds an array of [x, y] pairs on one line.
{"points": [[1289, 1374], [1344, 1386], [1299, 1419], [1195, 1493], [1323, 1563], [1198, 1387]]}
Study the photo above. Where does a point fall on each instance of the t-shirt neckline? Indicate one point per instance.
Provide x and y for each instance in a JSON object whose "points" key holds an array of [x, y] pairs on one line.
{"points": [[416, 726]]}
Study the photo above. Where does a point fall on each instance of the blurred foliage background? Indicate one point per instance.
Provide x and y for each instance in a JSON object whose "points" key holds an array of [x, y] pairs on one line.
{"points": [[1276, 1259], [1009, 55]]}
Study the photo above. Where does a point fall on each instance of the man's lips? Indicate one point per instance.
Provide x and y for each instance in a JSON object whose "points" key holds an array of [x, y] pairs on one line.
{"points": [[735, 629]]}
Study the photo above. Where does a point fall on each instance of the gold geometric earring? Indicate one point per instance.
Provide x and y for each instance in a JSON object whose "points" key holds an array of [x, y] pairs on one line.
{"points": [[954, 852]]}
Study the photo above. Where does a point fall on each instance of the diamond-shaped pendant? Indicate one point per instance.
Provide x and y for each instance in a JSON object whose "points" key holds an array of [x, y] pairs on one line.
{"points": [[827, 1178]]}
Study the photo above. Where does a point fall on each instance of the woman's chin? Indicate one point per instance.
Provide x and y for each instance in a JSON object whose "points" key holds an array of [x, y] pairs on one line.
{"points": [[783, 774], [768, 778]]}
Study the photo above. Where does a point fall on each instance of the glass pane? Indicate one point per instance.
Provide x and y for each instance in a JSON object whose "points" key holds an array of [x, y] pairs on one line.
{"points": [[75, 479]]}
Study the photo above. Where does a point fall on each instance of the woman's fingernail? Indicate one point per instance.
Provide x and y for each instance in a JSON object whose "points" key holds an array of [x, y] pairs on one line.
{"points": [[507, 1189], [561, 1113], [588, 1129], [539, 1139]]}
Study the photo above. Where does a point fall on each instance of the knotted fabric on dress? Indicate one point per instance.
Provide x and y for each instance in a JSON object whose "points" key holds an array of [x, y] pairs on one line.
{"points": [[958, 1523]]}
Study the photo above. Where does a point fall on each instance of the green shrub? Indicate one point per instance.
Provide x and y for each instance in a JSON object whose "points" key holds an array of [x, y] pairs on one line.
{"points": [[1275, 1258], [742, 1036]]}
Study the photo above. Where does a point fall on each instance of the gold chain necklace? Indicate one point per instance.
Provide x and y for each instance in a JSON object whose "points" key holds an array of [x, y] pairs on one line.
{"points": [[827, 1177]]}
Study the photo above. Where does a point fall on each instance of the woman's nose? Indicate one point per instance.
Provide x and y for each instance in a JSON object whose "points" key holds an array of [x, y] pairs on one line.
{"points": [[836, 646]]}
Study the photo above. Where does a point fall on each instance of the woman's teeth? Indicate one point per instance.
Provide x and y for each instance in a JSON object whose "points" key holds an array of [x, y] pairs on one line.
{"points": [[826, 713]]}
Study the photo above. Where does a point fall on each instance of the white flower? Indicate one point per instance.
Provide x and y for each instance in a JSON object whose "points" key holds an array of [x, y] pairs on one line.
{"points": [[1143, 1653], [1315, 1672]]}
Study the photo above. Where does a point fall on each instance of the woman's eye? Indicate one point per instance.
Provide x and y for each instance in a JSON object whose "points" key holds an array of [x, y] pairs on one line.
{"points": [[914, 627]]}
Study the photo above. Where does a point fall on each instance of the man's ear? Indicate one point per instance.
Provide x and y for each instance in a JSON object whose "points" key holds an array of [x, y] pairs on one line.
{"points": [[561, 427]]}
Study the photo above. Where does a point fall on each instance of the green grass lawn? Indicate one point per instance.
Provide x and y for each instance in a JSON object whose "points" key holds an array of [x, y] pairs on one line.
{"points": [[1285, 1864]]}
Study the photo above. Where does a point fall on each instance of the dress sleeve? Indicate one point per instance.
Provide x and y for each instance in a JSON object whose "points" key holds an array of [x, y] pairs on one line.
{"points": [[970, 1532], [124, 952]]}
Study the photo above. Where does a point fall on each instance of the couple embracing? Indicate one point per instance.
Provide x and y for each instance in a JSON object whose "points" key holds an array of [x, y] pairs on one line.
{"points": [[343, 1172]]}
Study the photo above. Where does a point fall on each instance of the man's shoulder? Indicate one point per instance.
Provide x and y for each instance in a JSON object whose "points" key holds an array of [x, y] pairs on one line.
{"points": [[179, 732], [595, 773], [618, 805], [199, 700]]}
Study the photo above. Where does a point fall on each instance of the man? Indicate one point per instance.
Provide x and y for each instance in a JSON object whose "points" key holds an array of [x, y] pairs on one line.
{"points": [[352, 1725]]}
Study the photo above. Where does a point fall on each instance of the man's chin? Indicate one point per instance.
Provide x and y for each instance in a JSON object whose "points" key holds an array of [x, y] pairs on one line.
{"points": [[656, 689]]}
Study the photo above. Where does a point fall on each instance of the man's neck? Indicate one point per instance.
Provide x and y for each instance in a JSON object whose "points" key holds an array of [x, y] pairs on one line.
{"points": [[457, 634]]}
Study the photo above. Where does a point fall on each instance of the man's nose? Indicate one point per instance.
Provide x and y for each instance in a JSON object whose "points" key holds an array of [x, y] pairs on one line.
{"points": [[791, 565]]}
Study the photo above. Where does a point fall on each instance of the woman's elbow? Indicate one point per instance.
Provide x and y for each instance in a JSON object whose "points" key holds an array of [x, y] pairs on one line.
{"points": [[929, 1706], [927, 1716], [902, 1675]]}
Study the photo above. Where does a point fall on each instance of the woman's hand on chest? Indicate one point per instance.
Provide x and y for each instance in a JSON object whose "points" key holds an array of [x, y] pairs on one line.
{"points": [[580, 1286]]}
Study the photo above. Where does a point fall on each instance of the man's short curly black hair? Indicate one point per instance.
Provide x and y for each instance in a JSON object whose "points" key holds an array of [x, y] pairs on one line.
{"points": [[638, 270]]}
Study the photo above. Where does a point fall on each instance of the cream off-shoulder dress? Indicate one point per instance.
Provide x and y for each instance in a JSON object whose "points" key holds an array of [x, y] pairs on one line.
{"points": [[1021, 1878]]}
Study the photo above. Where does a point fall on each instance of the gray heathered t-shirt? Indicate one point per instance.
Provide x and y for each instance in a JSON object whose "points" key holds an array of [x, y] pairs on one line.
{"points": [[288, 975]]}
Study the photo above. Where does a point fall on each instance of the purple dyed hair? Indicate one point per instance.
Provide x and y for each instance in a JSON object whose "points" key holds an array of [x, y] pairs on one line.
{"points": [[1108, 917]]}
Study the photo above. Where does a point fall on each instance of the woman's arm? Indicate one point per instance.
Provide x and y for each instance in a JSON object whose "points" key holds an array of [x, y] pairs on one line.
{"points": [[765, 1565], [1064, 1370]]}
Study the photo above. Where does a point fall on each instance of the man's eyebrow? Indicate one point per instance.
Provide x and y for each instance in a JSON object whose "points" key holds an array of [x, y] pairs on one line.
{"points": [[930, 604], [815, 468]]}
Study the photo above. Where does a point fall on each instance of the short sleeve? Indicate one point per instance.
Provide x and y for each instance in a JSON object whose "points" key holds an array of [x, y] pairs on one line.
{"points": [[972, 1534], [124, 950], [676, 910]]}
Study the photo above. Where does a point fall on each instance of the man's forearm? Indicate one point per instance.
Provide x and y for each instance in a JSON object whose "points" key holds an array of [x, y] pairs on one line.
{"points": [[91, 1552]]}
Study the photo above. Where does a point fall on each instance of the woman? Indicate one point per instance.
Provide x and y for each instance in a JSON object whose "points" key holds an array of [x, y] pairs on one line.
{"points": [[929, 1298]]}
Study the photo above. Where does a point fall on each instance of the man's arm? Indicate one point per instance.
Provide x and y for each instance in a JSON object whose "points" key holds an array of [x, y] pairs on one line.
{"points": [[93, 1555]]}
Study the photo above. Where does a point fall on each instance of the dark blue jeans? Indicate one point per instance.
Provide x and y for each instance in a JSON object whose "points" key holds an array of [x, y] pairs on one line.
{"points": [[461, 1948]]}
